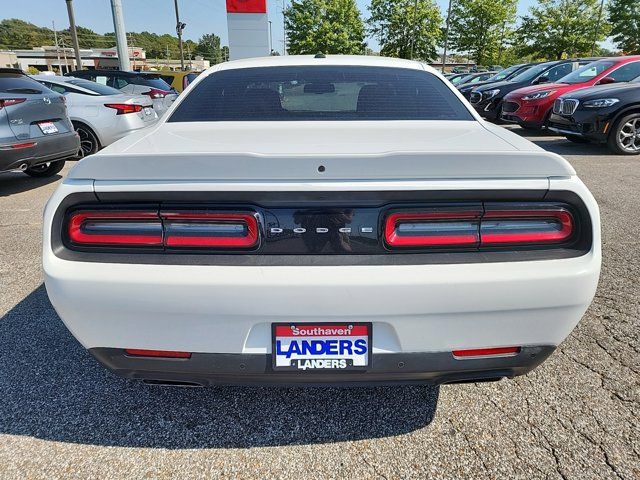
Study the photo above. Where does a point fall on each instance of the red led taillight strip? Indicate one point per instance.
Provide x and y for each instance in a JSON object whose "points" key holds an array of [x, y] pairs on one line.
{"points": [[432, 228], [206, 229], [499, 227], [115, 228]]}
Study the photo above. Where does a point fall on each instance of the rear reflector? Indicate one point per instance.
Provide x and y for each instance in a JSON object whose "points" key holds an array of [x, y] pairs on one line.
{"points": [[545, 225], [210, 229], [115, 228], [136, 352], [18, 146], [433, 228], [487, 352]]}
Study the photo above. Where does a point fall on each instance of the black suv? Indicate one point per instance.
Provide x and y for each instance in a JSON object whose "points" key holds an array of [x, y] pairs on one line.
{"points": [[603, 114], [503, 75], [487, 99]]}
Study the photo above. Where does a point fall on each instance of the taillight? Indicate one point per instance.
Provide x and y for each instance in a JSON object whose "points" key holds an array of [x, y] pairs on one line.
{"points": [[433, 228], [174, 229], [486, 352], [492, 226], [156, 93], [124, 108], [122, 228], [210, 229], [7, 102], [138, 352]]}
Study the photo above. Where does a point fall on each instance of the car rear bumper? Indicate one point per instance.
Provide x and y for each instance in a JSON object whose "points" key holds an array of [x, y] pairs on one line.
{"points": [[206, 369], [47, 149]]}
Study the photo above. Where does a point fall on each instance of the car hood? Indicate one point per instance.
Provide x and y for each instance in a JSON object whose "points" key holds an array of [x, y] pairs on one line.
{"points": [[494, 85], [559, 88], [467, 87], [599, 90]]}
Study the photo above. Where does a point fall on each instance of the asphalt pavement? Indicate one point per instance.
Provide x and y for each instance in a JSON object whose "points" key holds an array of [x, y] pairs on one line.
{"points": [[576, 416]]}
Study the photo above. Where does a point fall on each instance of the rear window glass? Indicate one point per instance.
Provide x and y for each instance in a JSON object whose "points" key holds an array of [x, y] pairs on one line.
{"points": [[154, 82], [95, 87], [320, 93], [12, 82]]}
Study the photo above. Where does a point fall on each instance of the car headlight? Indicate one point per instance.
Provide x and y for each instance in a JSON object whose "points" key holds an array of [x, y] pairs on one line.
{"points": [[600, 103], [490, 93], [538, 95]]}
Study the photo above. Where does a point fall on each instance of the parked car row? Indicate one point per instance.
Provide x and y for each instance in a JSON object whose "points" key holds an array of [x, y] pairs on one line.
{"points": [[47, 119], [586, 100]]}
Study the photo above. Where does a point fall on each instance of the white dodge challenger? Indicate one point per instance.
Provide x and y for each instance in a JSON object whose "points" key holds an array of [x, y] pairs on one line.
{"points": [[336, 220]]}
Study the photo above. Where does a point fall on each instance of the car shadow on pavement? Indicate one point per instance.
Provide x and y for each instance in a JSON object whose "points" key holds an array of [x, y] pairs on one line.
{"points": [[18, 182], [51, 388], [560, 145]]}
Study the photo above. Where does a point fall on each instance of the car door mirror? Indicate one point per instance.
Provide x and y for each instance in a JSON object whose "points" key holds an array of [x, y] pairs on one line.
{"points": [[606, 81], [542, 79]]}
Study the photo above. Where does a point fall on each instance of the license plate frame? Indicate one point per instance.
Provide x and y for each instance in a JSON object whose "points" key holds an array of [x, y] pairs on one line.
{"points": [[295, 366], [48, 128]]}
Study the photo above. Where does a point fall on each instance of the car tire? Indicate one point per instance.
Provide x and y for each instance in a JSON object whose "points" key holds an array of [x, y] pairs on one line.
{"points": [[89, 142], [576, 139], [624, 138], [45, 169]]}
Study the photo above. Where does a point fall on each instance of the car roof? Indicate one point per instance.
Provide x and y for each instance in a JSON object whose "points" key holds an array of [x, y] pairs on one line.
{"points": [[313, 60], [16, 71]]}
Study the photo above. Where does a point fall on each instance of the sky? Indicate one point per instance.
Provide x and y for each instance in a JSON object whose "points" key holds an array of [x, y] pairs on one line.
{"points": [[158, 16]]}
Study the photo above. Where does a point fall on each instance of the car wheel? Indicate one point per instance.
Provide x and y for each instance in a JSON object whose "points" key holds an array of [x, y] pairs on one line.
{"points": [[624, 138], [576, 139], [45, 169], [88, 141]]}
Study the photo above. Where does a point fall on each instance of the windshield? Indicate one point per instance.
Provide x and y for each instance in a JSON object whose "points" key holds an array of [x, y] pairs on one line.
{"points": [[320, 93], [95, 87], [505, 74], [531, 73], [588, 72]]}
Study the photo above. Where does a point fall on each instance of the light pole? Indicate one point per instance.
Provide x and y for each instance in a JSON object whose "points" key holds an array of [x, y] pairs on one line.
{"points": [[597, 31], [121, 35], [446, 36], [270, 39], [179, 27], [413, 28], [74, 34]]}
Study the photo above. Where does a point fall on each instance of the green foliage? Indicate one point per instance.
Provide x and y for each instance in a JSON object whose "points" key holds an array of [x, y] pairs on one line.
{"points": [[399, 23], [624, 16], [481, 28], [33, 71], [327, 26], [557, 28], [17, 34]]}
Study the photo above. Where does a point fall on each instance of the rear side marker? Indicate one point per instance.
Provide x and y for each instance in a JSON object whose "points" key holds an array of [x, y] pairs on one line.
{"points": [[486, 352]]}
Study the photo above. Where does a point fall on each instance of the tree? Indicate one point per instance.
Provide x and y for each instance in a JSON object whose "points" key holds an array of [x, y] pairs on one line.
{"points": [[624, 16], [209, 47], [327, 26], [406, 28], [481, 27], [557, 28]]}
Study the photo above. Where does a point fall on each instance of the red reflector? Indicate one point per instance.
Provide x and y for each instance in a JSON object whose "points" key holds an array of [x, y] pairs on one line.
{"points": [[20, 146], [547, 225], [210, 229], [136, 352], [115, 228], [432, 228], [487, 352], [124, 108]]}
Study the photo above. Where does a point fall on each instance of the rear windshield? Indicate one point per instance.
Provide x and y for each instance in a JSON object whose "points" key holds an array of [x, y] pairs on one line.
{"points": [[154, 82], [17, 83], [95, 87], [320, 93]]}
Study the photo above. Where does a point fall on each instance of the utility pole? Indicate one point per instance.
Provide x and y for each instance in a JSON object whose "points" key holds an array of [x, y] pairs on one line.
{"points": [[55, 37], [121, 35], [270, 40], [74, 34], [597, 31], [284, 28], [446, 36], [413, 28], [179, 27]]}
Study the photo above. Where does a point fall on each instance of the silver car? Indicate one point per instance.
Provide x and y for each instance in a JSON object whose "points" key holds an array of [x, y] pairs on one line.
{"points": [[100, 114], [36, 135]]}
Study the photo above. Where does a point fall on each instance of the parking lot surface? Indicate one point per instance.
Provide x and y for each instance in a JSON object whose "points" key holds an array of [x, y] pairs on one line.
{"points": [[577, 416]]}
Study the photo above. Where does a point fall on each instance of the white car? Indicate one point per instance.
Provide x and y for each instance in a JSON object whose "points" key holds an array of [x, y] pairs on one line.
{"points": [[100, 114], [329, 220]]}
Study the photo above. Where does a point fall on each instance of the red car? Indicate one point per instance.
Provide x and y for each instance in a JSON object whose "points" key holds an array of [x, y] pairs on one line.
{"points": [[530, 107]]}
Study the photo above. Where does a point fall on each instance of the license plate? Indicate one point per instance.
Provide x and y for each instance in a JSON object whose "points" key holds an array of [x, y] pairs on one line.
{"points": [[308, 347], [148, 111], [48, 128]]}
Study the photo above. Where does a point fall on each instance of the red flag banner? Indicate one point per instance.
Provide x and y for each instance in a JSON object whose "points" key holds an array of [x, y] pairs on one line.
{"points": [[246, 6]]}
